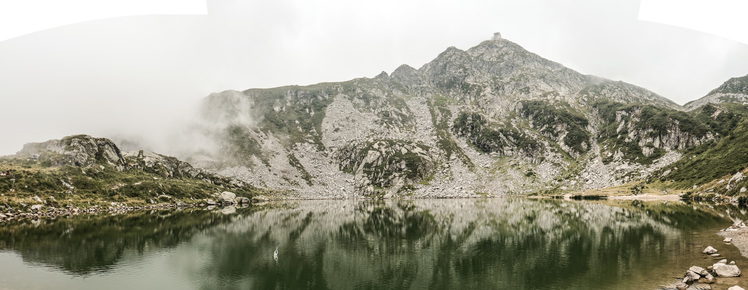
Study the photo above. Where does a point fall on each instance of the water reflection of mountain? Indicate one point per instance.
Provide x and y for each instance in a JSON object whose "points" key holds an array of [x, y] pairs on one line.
{"points": [[434, 244], [85, 244], [447, 244]]}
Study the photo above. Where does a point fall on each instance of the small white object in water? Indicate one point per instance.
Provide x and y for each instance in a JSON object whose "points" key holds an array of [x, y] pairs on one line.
{"points": [[275, 254]]}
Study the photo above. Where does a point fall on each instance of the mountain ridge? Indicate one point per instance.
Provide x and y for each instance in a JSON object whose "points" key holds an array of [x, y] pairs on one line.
{"points": [[734, 90], [491, 120]]}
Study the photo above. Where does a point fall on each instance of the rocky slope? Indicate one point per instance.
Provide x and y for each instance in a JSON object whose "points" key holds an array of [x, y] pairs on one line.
{"points": [[735, 90], [81, 169], [494, 119]]}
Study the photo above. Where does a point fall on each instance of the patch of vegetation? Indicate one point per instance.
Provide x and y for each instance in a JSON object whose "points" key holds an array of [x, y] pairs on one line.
{"points": [[297, 164], [293, 114], [638, 188], [440, 115], [551, 119], [655, 120], [589, 197], [391, 161], [491, 137]]}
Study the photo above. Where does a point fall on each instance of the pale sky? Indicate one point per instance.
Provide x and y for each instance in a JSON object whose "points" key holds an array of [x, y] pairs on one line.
{"points": [[137, 68]]}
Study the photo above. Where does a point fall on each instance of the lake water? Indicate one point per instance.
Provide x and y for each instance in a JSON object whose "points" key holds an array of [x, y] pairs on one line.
{"points": [[502, 243]]}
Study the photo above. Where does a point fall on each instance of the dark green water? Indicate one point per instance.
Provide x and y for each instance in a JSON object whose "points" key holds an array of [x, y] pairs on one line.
{"points": [[421, 244]]}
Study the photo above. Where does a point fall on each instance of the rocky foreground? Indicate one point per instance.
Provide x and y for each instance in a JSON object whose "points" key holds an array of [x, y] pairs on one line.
{"points": [[226, 200], [700, 278]]}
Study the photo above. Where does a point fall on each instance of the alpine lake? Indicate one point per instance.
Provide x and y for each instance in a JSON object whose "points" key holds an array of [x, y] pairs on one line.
{"points": [[496, 243]]}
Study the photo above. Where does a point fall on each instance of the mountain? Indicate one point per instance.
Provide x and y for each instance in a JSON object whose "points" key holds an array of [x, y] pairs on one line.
{"points": [[735, 90], [494, 119], [82, 171]]}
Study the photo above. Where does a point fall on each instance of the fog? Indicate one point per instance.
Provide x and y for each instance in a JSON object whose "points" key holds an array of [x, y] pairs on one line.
{"points": [[141, 77]]}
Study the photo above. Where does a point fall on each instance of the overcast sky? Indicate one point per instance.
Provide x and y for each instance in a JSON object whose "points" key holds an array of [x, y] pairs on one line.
{"points": [[139, 75]]}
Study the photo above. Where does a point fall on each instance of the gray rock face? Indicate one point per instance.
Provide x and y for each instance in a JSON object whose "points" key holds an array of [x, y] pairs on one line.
{"points": [[725, 270], [78, 150], [735, 90], [163, 165]]}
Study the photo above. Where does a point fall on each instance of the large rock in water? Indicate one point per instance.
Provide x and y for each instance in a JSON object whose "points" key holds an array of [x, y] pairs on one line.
{"points": [[710, 250], [725, 270], [227, 198]]}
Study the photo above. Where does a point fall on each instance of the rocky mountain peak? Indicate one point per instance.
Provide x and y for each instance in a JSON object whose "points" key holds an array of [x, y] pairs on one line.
{"points": [[737, 85], [407, 76], [734, 90]]}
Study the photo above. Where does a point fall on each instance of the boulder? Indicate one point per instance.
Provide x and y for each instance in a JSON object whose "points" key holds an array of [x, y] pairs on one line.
{"points": [[691, 276], [227, 198], [727, 240], [698, 270], [210, 202], [725, 270], [681, 286], [708, 278], [36, 207], [709, 250], [735, 288]]}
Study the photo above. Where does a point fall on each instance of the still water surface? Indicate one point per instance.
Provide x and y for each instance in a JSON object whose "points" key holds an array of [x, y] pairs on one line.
{"points": [[503, 243]]}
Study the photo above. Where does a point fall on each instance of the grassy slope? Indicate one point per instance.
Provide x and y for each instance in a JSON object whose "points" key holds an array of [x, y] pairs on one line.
{"points": [[86, 186], [707, 162]]}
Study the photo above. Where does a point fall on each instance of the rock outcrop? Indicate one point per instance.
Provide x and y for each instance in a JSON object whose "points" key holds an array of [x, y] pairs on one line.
{"points": [[735, 90], [78, 150]]}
